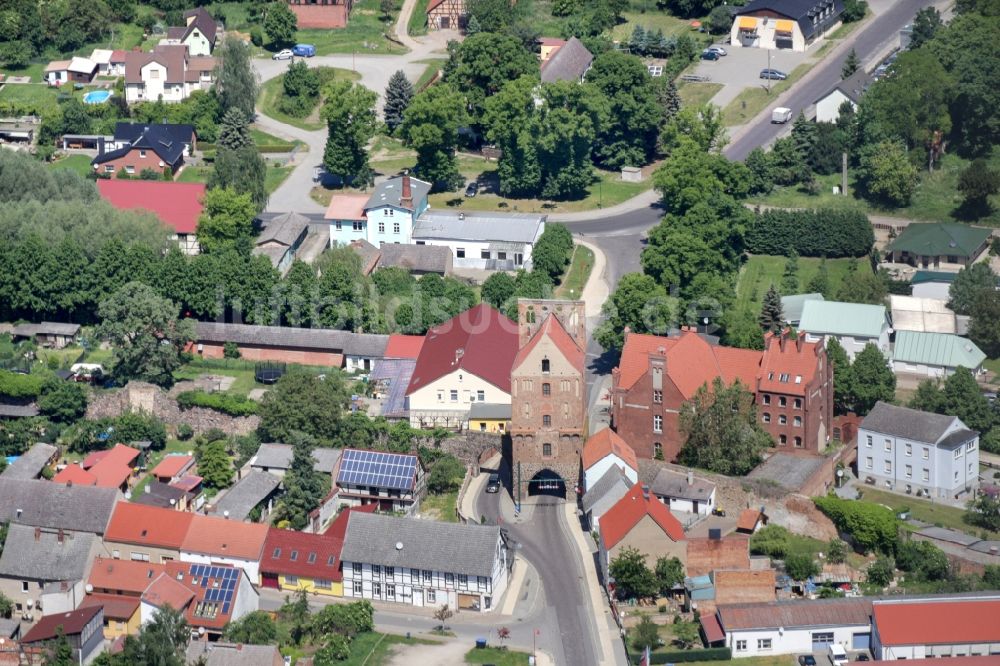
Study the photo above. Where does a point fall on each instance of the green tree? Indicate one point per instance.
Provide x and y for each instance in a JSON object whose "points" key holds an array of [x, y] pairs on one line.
{"points": [[75, 119], [703, 125], [771, 317], [300, 85], [924, 559], [633, 579], [669, 572], [629, 137], [302, 402], [238, 165], [280, 24], [430, 126], [761, 170], [686, 634], [872, 527], [61, 653], [836, 551], [977, 183], [492, 15], [214, 465], [140, 427], [800, 566], [984, 511], [295, 612], [349, 112], [851, 64], [145, 334], [691, 176], [446, 475], [721, 430], [6, 605], [645, 634], [872, 379], [553, 250], [254, 628], [926, 24], [861, 285], [398, 95], [886, 174], [335, 650], [790, 277], [984, 324], [962, 397], [236, 83], [226, 221], [304, 486], [482, 64], [347, 620], [498, 288], [62, 401], [881, 571], [639, 303], [927, 397]]}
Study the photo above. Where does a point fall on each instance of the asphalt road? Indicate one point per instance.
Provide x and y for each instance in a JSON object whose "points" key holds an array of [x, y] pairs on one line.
{"points": [[869, 41]]}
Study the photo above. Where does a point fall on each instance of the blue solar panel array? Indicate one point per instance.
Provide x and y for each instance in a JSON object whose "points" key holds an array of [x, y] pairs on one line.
{"points": [[225, 577], [375, 468]]}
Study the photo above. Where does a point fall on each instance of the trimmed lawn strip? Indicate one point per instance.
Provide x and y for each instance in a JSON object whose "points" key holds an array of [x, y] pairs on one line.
{"points": [[925, 511], [697, 94], [418, 19], [375, 649], [273, 90], [571, 286], [78, 163], [496, 656], [433, 67], [273, 178], [752, 101], [761, 271]]}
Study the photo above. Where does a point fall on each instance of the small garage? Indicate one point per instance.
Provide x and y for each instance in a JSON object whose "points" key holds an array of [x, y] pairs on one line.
{"points": [[820, 639], [861, 641]]}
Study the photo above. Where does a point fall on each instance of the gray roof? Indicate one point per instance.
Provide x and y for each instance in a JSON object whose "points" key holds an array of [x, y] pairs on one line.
{"points": [[505, 228], [489, 410], [791, 306], [945, 534], [9, 627], [19, 411], [55, 505], [46, 328], [36, 554], [419, 258], [907, 423], [284, 229], [355, 344], [159, 494], [604, 494], [279, 456], [569, 63], [30, 464], [248, 492], [389, 193], [669, 483], [231, 654], [426, 544], [853, 86]]}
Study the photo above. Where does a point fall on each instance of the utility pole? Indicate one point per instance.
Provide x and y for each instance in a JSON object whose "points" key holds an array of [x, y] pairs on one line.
{"points": [[843, 173], [769, 71]]}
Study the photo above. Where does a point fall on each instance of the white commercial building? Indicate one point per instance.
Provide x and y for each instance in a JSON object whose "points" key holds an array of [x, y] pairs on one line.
{"points": [[490, 241], [936, 627], [854, 325]]}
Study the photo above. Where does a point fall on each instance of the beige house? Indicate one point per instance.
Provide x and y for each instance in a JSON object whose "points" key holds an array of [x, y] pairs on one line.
{"points": [[168, 73], [142, 533], [38, 560], [639, 520], [784, 24]]}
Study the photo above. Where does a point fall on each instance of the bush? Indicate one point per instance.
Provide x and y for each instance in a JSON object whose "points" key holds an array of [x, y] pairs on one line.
{"points": [[873, 527], [20, 387], [811, 233], [184, 432], [227, 403], [446, 475], [707, 654], [139, 427], [230, 350]]}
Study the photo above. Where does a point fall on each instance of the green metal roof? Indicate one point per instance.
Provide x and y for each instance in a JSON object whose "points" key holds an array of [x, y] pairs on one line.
{"points": [[921, 277], [791, 306], [834, 318], [938, 349], [940, 238]]}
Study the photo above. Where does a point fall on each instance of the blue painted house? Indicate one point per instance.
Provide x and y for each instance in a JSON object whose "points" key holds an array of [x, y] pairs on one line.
{"points": [[387, 216]]}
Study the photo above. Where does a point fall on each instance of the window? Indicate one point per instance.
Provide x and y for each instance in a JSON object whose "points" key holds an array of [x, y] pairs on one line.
{"points": [[782, 401], [322, 584], [767, 399], [783, 378], [390, 572], [869, 463], [294, 555], [154, 73], [502, 256], [657, 423], [109, 168], [482, 427], [460, 252], [488, 602], [390, 211], [463, 580], [276, 554], [140, 557], [888, 467], [958, 453], [763, 643], [377, 589], [481, 396], [116, 554], [782, 440], [331, 560], [454, 395], [971, 446], [338, 225], [822, 637], [798, 403], [428, 576], [414, 575], [142, 153], [888, 445], [390, 591], [657, 450], [376, 571], [546, 389], [431, 596], [129, 169], [765, 417], [956, 476], [547, 420], [449, 580], [440, 396], [797, 421], [291, 580], [908, 448], [545, 365], [484, 254], [527, 384], [395, 227], [381, 227], [546, 449], [868, 441], [358, 225], [782, 419], [909, 471], [798, 379], [798, 442], [565, 386], [206, 609], [741, 646], [24, 586], [926, 476], [657, 397], [927, 453], [481, 581]]}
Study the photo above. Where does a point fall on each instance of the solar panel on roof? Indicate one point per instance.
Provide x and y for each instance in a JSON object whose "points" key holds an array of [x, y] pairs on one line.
{"points": [[225, 608], [377, 468], [204, 581]]}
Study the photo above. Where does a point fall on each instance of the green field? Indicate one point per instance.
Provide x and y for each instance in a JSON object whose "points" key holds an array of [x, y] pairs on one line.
{"points": [[925, 511], [752, 101], [497, 657], [697, 93], [34, 97], [272, 92], [571, 286], [78, 163], [35, 70], [365, 32], [761, 271]]}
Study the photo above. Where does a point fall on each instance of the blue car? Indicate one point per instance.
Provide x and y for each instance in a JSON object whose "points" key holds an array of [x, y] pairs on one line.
{"points": [[304, 50]]}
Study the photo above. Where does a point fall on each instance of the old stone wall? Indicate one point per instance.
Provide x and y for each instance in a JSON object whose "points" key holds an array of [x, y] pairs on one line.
{"points": [[470, 445]]}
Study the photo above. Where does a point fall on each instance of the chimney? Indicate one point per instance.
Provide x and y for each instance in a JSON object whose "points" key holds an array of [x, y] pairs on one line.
{"points": [[782, 340], [406, 197], [690, 476], [645, 492], [800, 339], [38, 533], [60, 536]]}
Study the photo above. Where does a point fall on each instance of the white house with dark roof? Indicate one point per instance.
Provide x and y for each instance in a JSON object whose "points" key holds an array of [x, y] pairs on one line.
{"points": [[919, 453], [424, 563], [393, 481], [485, 241], [848, 90], [386, 217], [33, 557], [784, 24], [684, 492]]}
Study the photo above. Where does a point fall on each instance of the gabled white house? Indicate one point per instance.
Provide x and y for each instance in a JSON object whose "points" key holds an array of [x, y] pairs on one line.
{"points": [[848, 90], [387, 216], [603, 451]]}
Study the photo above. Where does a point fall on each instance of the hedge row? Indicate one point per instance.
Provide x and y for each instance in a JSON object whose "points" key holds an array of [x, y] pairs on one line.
{"points": [[811, 233], [706, 654], [20, 387], [227, 403]]}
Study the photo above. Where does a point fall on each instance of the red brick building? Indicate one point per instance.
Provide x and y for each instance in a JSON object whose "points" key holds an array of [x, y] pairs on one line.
{"points": [[791, 380], [323, 14]]}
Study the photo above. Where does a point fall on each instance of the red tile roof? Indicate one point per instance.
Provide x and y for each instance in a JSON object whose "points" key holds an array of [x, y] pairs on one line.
{"points": [[317, 556], [116, 606], [168, 591], [94, 458], [180, 573], [188, 483], [630, 509], [605, 443], [121, 454], [713, 630], [179, 205], [172, 465], [748, 519], [404, 346], [346, 207], [148, 525], [225, 538], [938, 622], [123, 576], [797, 361], [554, 330], [338, 528], [76, 475], [111, 474], [72, 622], [480, 341]]}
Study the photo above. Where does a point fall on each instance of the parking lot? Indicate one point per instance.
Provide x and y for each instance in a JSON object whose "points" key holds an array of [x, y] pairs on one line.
{"points": [[741, 69]]}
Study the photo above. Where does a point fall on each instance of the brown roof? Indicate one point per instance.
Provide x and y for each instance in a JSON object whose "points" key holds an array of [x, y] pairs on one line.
{"points": [[744, 586], [72, 622], [748, 519], [123, 576], [115, 606], [167, 591], [938, 622], [605, 443], [706, 555], [171, 56], [813, 613], [196, 65], [172, 465], [346, 207], [225, 538]]}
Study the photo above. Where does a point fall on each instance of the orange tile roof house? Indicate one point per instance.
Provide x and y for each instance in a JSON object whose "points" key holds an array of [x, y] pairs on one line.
{"points": [[122, 577], [936, 627], [603, 451], [212, 540], [751, 520], [791, 381], [209, 596], [172, 467], [641, 521], [113, 469], [146, 533]]}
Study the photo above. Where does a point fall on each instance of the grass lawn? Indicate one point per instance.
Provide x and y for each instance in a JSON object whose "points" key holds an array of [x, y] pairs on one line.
{"points": [[273, 178], [761, 271], [264, 139], [697, 94], [375, 649], [795, 197], [433, 67], [35, 70], [418, 19], [365, 32], [78, 163], [925, 511], [993, 365], [497, 657], [571, 286], [440, 507], [651, 20], [751, 101], [37, 97], [272, 92]]}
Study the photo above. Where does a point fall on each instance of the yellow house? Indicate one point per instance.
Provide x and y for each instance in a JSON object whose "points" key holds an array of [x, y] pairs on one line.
{"points": [[294, 561], [489, 417], [121, 613]]}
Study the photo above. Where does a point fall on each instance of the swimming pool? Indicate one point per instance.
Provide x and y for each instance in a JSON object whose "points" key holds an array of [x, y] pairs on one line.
{"points": [[96, 97]]}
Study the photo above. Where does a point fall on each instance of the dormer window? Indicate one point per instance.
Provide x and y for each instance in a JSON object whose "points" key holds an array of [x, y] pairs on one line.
{"points": [[545, 365]]}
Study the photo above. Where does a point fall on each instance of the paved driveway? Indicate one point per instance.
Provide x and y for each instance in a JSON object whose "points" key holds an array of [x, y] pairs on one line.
{"points": [[741, 69]]}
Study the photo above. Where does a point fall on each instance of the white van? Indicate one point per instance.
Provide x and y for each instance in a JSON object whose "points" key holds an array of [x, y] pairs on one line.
{"points": [[781, 115], [838, 655]]}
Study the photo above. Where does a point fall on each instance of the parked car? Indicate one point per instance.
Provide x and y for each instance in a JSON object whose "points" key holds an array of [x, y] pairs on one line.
{"points": [[773, 74], [709, 54], [472, 189], [283, 54], [493, 485], [807, 660], [837, 654], [717, 49], [304, 50], [781, 115], [862, 657]]}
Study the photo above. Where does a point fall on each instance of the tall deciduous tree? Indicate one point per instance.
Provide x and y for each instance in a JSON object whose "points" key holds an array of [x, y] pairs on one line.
{"points": [[639, 303], [633, 578], [280, 24], [302, 402], [629, 137], [430, 126], [145, 333], [721, 430], [926, 24], [977, 183], [238, 165], [968, 285], [871, 379], [398, 94], [236, 82], [771, 317], [349, 112], [984, 326], [226, 221], [481, 65], [304, 486]]}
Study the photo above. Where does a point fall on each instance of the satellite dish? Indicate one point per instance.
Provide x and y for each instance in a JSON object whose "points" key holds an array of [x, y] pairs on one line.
{"points": [[88, 588], [399, 545]]}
